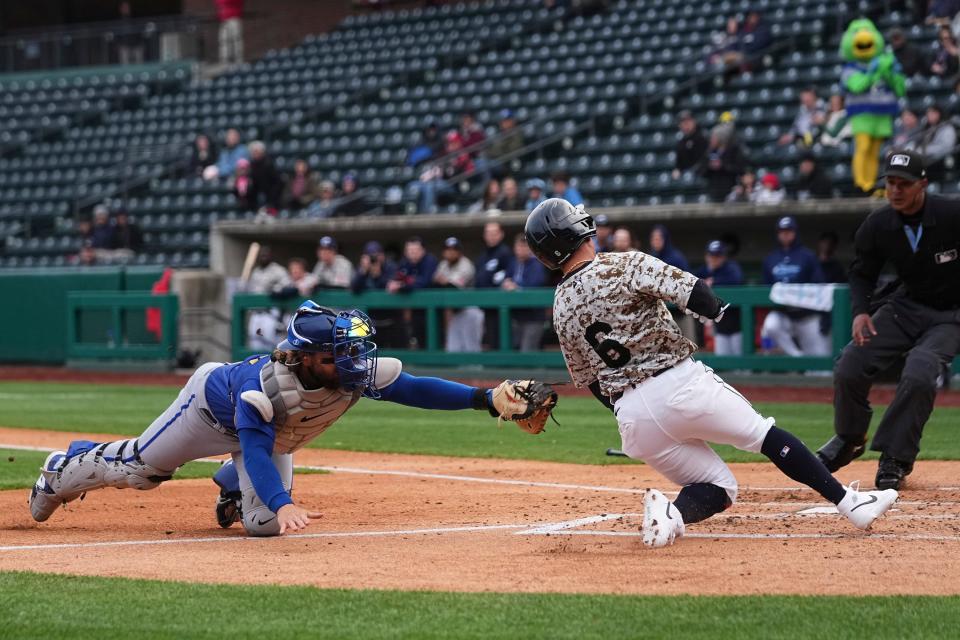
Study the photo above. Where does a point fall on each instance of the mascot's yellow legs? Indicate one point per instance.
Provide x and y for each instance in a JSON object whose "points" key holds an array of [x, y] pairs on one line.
{"points": [[866, 161]]}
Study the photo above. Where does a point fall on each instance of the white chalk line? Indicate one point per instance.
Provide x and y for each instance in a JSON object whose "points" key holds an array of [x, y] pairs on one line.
{"points": [[919, 537], [524, 483]]}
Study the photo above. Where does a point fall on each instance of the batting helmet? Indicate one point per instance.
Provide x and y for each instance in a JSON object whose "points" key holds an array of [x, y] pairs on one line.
{"points": [[555, 229], [345, 335]]}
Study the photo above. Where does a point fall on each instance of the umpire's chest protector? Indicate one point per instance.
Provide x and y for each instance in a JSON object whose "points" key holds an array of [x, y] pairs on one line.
{"points": [[300, 415]]}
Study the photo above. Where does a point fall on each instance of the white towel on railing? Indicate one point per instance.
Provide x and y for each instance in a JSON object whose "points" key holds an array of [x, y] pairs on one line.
{"points": [[817, 297]]}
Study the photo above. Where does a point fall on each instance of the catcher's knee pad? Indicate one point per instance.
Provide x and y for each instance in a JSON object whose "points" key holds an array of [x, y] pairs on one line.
{"points": [[96, 468], [260, 521]]}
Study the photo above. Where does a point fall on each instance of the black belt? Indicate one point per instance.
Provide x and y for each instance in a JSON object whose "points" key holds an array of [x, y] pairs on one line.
{"points": [[617, 396]]}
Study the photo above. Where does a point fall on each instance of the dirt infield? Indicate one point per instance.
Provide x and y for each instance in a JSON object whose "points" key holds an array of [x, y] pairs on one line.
{"points": [[461, 524]]}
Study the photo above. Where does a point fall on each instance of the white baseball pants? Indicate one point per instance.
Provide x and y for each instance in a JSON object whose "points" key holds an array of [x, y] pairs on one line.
{"points": [[796, 337], [668, 420]]}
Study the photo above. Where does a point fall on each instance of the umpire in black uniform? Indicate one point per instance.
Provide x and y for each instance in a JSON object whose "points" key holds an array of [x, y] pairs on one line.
{"points": [[919, 235]]}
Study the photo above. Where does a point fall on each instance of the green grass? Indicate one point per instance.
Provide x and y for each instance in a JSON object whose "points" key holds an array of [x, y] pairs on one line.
{"points": [[19, 469], [585, 432], [35, 605]]}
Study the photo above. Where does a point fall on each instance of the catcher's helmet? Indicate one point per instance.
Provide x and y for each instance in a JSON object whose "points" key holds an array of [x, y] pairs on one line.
{"points": [[555, 229], [344, 335]]}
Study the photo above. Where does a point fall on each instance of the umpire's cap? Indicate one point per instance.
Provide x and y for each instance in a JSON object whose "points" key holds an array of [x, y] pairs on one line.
{"points": [[905, 163], [555, 229]]}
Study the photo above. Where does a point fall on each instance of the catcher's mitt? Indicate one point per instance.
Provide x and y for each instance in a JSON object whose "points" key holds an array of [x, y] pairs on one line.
{"points": [[527, 402]]}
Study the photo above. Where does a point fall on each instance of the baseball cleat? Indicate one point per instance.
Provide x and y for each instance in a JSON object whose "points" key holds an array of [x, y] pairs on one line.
{"points": [[863, 507], [662, 523], [892, 472], [228, 508], [43, 501], [839, 452]]}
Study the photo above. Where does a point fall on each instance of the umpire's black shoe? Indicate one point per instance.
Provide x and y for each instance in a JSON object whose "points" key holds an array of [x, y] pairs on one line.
{"points": [[891, 472], [839, 452]]}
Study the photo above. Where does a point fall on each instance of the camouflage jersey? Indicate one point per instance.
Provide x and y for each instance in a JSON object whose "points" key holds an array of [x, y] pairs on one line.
{"points": [[613, 324]]}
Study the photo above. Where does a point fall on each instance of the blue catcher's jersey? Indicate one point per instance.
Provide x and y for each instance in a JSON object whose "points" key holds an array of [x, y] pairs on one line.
{"points": [[223, 390]]}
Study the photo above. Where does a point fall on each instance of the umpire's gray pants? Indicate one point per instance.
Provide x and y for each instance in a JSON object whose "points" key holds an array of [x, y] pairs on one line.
{"points": [[930, 339]]}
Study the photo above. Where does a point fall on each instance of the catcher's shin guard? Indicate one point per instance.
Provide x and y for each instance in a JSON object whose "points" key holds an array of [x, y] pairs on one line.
{"points": [[103, 466]]}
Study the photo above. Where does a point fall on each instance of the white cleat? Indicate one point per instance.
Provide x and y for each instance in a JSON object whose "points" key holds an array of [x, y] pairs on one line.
{"points": [[43, 501], [662, 523], [863, 507]]}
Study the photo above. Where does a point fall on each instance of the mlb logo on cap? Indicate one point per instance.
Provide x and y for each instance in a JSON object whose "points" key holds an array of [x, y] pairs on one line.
{"points": [[906, 164], [899, 160], [787, 223]]}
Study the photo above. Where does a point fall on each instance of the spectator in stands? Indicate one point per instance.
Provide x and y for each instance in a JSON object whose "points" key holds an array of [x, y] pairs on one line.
{"points": [[510, 199], [794, 330], [102, 233], [836, 128], [333, 270], [489, 199], [525, 272], [87, 257], [622, 240], [746, 188], [374, 271], [812, 182], [243, 189], [267, 183], [832, 269], [126, 234], [84, 230], [464, 325], [471, 133], [755, 36], [509, 140], [535, 188], [352, 202], [603, 241], [202, 155], [907, 131], [301, 187], [230, 14], [770, 191], [691, 146], [233, 150], [415, 271], [270, 278], [725, 51], [909, 57], [723, 163], [129, 41], [936, 142], [806, 124], [428, 147], [492, 267], [434, 181], [721, 271], [661, 247], [945, 60], [942, 11], [302, 282], [563, 189]]}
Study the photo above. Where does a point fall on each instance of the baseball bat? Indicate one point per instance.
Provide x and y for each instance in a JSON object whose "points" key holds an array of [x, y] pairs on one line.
{"points": [[616, 452], [249, 262]]}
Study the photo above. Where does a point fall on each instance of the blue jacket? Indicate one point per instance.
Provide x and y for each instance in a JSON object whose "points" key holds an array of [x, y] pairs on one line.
{"points": [[419, 275], [492, 266], [571, 195], [728, 275], [669, 254], [227, 162], [796, 265], [530, 273]]}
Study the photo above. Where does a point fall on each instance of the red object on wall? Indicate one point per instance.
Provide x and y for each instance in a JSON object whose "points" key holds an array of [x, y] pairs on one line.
{"points": [[154, 320]]}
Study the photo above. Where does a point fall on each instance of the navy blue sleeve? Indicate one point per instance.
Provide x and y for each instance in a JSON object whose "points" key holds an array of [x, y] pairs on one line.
{"points": [[257, 448], [430, 393], [425, 276], [816, 272], [536, 275], [768, 269]]}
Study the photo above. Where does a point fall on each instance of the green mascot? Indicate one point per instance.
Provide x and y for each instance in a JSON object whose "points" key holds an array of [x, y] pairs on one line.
{"points": [[872, 83]]}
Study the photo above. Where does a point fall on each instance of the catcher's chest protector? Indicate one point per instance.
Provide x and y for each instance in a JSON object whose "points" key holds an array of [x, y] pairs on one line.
{"points": [[300, 415]]}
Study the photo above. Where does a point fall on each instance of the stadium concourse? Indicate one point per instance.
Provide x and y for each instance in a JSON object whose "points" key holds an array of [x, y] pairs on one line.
{"points": [[462, 107]]}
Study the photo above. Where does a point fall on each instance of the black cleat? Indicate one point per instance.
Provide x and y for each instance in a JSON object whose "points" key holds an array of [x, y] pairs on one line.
{"points": [[228, 508], [891, 472], [839, 452]]}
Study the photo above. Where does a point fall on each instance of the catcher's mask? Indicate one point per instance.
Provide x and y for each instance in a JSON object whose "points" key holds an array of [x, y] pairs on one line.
{"points": [[343, 334]]}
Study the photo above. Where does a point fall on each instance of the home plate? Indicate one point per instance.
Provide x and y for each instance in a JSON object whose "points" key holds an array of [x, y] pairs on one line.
{"points": [[816, 511]]}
